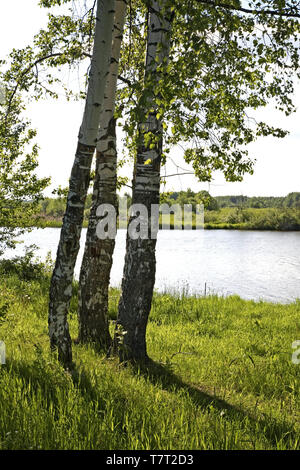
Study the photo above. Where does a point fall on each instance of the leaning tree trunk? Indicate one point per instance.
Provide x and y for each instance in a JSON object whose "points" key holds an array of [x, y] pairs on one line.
{"points": [[97, 258], [61, 282], [140, 260]]}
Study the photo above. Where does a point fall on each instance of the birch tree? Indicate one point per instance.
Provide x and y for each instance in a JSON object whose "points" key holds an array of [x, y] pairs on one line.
{"points": [[231, 63], [61, 282], [97, 258], [140, 261], [225, 60]]}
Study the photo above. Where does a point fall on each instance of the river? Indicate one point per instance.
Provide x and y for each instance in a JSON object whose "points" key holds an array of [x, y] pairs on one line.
{"points": [[252, 264]]}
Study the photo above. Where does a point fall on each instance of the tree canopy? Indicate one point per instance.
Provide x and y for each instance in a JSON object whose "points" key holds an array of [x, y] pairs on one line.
{"points": [[228, 60]]}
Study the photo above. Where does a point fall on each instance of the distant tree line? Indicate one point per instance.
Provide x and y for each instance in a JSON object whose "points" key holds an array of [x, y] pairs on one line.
{"points": [[292, 200], [55, 207]]}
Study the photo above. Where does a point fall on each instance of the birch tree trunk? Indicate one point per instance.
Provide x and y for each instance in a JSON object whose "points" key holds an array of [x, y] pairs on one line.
{"points": [[97, 258], [61, 281], [140, 260]]}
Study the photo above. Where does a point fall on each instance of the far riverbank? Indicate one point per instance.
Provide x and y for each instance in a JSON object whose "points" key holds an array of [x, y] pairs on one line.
{"points": [[223, 219]]}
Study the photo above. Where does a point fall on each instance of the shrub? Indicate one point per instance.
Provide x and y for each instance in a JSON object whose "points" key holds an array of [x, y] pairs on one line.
{"points": [[27, 267]]}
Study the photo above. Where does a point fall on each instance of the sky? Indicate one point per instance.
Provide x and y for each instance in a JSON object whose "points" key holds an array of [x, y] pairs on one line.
{"points": [[277, 168]]}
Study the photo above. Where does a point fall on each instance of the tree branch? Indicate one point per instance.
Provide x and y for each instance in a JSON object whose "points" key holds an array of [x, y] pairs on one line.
{"points": [[27, 70], [282, 13], [125, 80], [177, 174]]}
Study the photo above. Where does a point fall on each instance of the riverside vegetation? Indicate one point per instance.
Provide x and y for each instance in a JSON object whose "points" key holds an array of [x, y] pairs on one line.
{"points": [[222, 375], [221, 212]]}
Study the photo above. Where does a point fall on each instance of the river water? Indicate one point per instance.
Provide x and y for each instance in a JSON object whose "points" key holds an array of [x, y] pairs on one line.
{"points": [[253, 264]]}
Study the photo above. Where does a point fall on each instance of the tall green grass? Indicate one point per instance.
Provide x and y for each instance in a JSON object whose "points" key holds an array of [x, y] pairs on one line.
{"points": [[221, 377]]}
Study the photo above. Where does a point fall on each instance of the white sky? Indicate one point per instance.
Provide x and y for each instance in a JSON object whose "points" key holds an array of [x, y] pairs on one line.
{"points": [[277, 171]]}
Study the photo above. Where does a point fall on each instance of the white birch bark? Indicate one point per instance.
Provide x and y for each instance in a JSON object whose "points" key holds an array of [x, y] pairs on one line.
{"points": [[62, 277], [97, 258], [140, 263]]}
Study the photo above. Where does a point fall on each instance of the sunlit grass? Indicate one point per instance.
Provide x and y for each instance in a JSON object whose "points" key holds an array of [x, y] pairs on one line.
{"points": [[222, 377]]}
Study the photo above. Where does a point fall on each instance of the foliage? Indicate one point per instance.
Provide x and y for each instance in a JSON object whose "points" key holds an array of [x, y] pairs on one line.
{"points": [[238, 201], [292, 200], [190, 197], [227, 212], [27, 267], [254, 219], [226, 61], [20, 188], [224, 64]]}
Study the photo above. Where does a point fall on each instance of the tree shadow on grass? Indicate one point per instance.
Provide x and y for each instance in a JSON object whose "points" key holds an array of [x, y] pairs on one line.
{"points": [[45, 380], [51, 381], [161, 375]]}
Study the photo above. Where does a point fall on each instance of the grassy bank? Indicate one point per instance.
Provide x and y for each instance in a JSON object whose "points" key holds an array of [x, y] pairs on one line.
{"points": [[222, 376]]}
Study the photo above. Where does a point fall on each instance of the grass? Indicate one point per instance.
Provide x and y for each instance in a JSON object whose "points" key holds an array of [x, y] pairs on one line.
{"points": [[221, 377]]}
